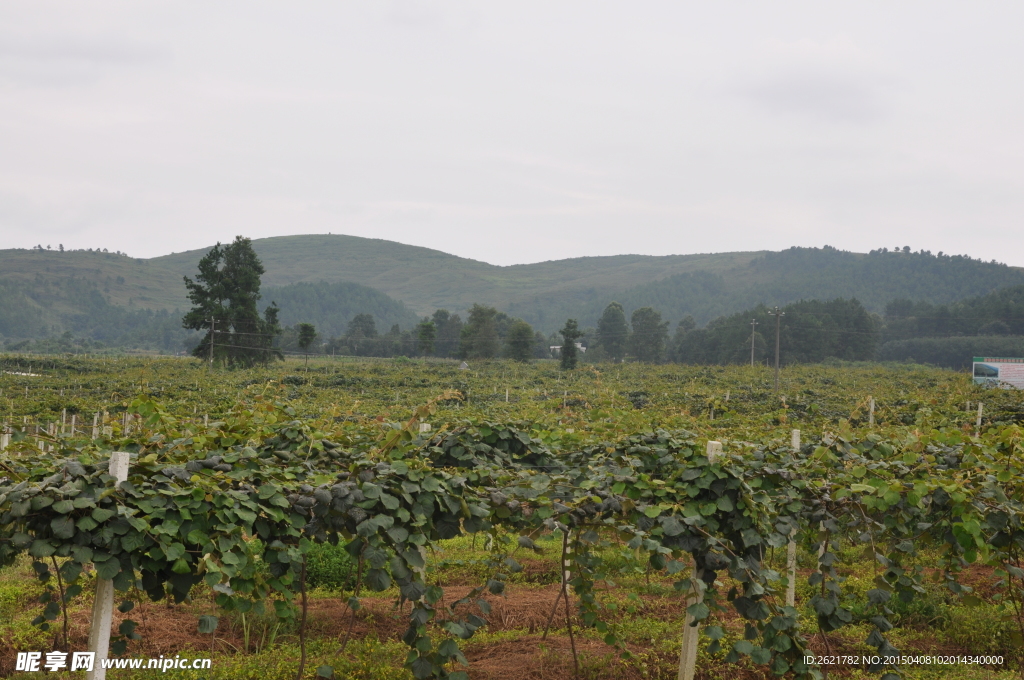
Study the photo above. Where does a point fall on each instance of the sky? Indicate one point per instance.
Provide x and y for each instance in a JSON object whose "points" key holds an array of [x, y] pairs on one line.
{"points": [[515, 132]]}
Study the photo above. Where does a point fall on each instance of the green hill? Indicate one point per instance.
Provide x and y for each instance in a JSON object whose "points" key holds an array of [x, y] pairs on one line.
{"points": [[122, 280], [330, 306], [46, 293], [875, 279], [426, 279]]}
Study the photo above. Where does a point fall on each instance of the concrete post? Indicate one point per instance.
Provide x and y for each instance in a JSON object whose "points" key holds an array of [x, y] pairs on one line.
{"points": [[103, 604], [691, 633], [791, 548]]}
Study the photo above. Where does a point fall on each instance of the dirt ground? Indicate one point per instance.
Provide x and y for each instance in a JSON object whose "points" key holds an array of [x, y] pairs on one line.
{"points": [[171, 629]]}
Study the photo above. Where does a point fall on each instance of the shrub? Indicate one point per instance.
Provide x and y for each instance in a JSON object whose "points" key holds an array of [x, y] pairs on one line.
{"points": [[329, 566]]}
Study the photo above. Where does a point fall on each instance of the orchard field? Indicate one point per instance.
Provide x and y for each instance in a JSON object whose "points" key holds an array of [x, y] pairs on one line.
{"points": [[405, 518]]}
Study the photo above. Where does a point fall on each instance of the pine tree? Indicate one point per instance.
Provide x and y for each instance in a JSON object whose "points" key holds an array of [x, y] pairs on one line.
{"points": [[570, 354]]}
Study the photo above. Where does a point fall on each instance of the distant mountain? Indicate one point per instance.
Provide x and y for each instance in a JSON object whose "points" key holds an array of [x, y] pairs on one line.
{"points": [[46, 293], [426, 279], [875, 279], [122, 280]]}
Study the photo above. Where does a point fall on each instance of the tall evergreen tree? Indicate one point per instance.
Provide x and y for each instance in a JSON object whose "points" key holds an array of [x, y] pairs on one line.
{"points": [[612, 331], [649, 335], [224, 297], [570, 353], [519, 341]]}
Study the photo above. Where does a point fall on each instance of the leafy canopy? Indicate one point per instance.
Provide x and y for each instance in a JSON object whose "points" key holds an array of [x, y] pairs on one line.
{"points": [[224, 297], [649, 335], [613, 331], [519, 341]]}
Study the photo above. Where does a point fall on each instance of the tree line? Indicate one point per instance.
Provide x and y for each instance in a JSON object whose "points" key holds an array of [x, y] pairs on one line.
{"points": [[826, 273], [233, 324], [805, 331], [486, 334]]}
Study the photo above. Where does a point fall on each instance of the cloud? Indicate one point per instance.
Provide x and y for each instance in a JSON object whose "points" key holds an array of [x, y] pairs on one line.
{"points": [[414, 14], [60, 60], [823, 96], [78, 49], [831, 80]]}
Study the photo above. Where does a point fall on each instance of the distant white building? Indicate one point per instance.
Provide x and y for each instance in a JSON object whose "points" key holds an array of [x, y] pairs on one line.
{"points": [[556, 350]]}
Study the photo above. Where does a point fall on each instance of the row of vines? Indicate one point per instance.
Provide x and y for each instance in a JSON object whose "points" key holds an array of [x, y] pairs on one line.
{"points": [[274, 464]]}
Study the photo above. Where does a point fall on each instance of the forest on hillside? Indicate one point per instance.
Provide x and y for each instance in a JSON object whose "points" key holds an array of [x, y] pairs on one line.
{"points": [[875, 279], [672, 319]]}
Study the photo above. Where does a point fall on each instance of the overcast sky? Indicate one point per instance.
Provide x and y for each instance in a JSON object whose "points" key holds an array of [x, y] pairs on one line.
{"points": [[518, 131]]}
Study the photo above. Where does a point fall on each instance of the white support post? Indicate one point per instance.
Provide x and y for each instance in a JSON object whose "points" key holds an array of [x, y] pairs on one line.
{"points": [[103, 604], [977, 424], [691, 633], [791, 547], [425, 427], [871, 410], [567, 563]]}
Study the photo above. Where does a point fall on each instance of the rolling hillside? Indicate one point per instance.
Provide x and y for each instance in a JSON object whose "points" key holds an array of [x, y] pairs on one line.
{"points": [[124, 281], [330, 306], [45, 293], [426, 279], [796, 274]]}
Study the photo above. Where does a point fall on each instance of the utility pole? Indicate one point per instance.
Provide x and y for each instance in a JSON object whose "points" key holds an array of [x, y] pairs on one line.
{"points": [[213, 325], [753, 322], [778, 314]]}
